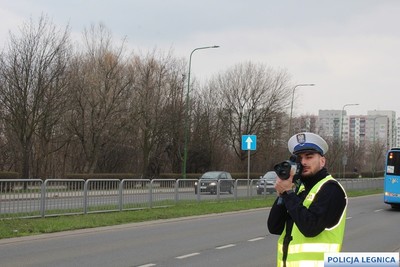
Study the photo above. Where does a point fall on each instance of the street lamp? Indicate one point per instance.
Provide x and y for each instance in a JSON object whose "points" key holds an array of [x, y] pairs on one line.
{"points": [[291, 105], [187, 109], [341, 135]]}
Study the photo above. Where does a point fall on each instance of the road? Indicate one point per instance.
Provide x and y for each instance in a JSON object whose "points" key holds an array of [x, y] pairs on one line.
{"points": [[231, 239]]}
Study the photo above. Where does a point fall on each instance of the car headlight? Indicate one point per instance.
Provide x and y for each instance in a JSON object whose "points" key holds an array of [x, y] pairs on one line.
{"points": [[213, 184]]}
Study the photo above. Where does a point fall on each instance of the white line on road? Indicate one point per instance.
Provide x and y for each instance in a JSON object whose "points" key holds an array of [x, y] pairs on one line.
{"points": [[348, 218], [187, 255], [147, 265], [378, 210], [256, 239], [226, 246]]}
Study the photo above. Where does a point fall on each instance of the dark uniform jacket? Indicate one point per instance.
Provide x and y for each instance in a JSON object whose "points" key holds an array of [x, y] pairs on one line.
{"points": [[324, 212]]}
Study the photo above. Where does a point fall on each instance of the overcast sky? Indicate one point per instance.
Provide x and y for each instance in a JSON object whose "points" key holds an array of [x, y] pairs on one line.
{"points": [[350, 49]]}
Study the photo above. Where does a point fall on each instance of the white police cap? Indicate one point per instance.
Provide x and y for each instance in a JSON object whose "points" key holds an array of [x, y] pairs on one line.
{"points": [[303, 142]]}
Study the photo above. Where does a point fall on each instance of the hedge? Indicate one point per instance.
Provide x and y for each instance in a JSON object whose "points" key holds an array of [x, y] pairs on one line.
{"points": [[9, 175]]}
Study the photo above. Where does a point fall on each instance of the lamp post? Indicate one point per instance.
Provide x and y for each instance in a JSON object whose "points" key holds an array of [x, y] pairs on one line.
{"points": [[291, 105], [187, 109], [341, 135]]}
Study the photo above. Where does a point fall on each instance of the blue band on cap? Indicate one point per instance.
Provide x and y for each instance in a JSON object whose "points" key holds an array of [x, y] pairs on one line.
{"points": [[307, 146]]}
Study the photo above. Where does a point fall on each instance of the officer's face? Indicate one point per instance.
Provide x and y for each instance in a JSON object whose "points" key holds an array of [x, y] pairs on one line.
{"points": [[312, 163]]}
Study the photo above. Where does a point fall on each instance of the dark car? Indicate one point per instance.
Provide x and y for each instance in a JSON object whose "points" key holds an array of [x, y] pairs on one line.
{"points": [[209, 181], [266, 183]]}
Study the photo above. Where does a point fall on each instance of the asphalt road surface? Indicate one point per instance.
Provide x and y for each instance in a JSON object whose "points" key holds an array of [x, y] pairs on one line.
{"points": [[231, 239]]}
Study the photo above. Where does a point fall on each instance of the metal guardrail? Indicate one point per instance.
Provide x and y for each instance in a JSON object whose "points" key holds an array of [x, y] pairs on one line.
{"points": [[361, 183], [28, 198]]}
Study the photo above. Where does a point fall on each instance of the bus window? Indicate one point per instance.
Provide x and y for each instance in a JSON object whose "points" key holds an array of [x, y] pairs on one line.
{"points": [[393, 163]]}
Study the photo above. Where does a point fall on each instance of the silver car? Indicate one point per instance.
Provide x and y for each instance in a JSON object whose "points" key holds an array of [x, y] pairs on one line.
{"points": [[266, 183]]}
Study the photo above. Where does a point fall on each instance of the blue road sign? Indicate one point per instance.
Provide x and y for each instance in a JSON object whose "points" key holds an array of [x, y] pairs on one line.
{"points": [[249, 142]]}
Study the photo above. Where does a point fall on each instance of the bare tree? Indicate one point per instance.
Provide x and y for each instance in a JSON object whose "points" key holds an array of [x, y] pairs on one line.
{"points": [[271, 143], [33, 82], [209, 148], [99, 90], [251, 95], [7, 153], [377, 156], [171, 145], [156, 103]]}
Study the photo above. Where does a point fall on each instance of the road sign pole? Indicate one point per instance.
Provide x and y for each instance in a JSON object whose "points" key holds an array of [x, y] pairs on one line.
{"points": [[248, 172], [248, 164]]}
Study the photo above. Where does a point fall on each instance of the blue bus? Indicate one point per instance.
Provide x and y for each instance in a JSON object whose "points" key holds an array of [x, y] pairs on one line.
{"points": [[391, 184]]}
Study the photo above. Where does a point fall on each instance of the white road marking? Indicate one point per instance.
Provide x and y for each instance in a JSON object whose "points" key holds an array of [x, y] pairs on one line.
{"points": [[188, 255], [378, 210], [147, 265], [348, 218], [226, 246], [256, 239]]}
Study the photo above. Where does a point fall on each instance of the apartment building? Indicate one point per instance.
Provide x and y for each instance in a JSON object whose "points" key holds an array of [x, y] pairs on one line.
{"points": [[329, 123], [355, 130], [359, 130], [398, 132], [383, 123], [306, 123]]}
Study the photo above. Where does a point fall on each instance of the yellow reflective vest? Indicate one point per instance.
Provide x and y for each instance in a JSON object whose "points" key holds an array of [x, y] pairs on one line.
{"points": [[309, 251]]}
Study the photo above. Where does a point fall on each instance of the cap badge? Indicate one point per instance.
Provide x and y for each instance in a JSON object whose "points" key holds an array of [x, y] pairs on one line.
{"points": [[301, 138]]}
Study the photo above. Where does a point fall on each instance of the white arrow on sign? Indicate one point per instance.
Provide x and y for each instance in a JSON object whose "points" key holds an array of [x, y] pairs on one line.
{"points": [[249, 141]]}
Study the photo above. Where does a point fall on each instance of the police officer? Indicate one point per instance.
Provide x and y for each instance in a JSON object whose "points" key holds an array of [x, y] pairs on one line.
{"points": [[311, 218]]}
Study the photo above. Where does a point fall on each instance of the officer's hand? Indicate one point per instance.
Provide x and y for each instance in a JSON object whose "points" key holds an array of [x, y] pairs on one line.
{"points": [[283, 185]]}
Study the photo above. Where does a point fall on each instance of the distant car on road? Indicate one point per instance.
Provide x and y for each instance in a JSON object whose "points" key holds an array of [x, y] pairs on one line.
{"points": [[266, 183], [209, 181]]}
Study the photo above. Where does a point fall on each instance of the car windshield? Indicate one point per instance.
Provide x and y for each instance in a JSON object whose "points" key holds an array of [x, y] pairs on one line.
{"points": [[210, 175], [270, 176]]}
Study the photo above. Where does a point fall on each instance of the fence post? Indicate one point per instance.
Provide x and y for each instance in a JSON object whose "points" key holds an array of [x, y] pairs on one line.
{"points": [[176, 191], [151, 194], [43, 199], [235, 189], [85, 197], [121, 194], [198, 189]]}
